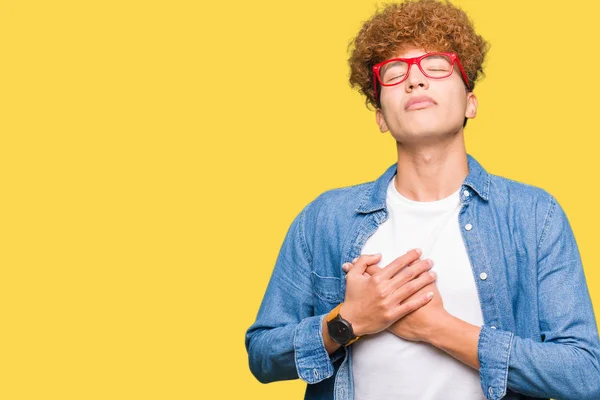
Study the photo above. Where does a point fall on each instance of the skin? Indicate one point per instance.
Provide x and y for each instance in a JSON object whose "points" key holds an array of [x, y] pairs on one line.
{"points": [[431, 323], [376, 300], [432, 164], [432, 158]]}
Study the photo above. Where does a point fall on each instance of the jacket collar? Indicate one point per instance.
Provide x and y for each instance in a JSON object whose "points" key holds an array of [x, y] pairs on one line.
{"points": [[374, 198]]}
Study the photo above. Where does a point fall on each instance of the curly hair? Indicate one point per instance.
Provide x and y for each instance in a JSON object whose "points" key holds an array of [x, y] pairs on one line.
{"points": [[425, 24]]}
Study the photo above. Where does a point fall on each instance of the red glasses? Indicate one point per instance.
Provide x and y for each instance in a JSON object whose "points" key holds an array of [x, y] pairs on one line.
{"points": [[433, 65]]}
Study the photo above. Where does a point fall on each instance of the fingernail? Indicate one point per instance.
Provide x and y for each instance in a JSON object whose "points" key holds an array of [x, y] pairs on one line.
{"points": [[355, 260], [419, 251], [345, 266], [433, 274], [429, 295], [430, 262]]}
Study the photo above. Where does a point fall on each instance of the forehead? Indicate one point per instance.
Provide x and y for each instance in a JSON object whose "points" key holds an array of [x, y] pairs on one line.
{"points": [[409, 53]]}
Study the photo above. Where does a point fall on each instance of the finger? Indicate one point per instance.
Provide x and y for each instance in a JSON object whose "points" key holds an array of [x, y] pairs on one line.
{"points": [[395, 266], [368, 258], [373, 269], [411, 305], [347, 267], [409, 289], [411, 272], [361, 264]]}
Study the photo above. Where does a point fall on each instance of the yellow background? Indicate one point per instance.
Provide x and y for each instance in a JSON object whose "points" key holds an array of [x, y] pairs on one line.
{"points": [[154, 153]]}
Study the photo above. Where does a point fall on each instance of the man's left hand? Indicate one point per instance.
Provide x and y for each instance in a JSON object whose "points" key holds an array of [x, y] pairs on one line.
{"points": [[420, 324], [433, 324]]}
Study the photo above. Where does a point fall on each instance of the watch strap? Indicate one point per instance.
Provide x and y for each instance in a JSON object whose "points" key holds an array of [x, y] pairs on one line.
{"points": [[335, 314]]}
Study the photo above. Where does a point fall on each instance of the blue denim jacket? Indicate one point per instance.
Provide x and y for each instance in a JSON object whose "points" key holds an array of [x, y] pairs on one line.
{"points": [[539, 338]]}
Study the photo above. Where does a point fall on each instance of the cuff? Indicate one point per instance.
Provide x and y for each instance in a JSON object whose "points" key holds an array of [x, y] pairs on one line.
{"points": [[493, 351], [312, 360]]}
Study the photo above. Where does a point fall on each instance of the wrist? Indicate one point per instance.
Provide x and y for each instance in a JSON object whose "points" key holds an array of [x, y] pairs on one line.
{"points": [[446, 330], [459, 339], [347, 314], [330, 345], [438, 330], [340, 330]]}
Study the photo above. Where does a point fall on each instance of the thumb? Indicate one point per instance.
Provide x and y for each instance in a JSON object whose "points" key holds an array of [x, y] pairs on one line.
{"points": [[371, 269], [361, 264]]}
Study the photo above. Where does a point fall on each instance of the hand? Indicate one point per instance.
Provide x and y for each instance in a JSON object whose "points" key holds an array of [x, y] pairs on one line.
{"points": [[417, 325], [431, 323], [381, 296], [421, 324]]}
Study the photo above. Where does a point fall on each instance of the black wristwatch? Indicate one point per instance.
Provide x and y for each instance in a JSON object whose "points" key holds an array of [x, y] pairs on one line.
{"points": [[339, 329]]}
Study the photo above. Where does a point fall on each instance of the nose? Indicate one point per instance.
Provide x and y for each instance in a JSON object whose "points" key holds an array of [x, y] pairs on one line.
{"points": [[415, 78]]}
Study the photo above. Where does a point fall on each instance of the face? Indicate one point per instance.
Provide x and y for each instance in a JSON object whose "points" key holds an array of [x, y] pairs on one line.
{"points": [[425, 110]]}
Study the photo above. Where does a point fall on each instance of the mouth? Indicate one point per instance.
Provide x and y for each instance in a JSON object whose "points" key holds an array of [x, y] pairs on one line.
{"points": [[419, 103]]}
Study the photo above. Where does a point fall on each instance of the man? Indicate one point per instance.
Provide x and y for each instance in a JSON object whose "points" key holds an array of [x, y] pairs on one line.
{"points": [[492, 301]]}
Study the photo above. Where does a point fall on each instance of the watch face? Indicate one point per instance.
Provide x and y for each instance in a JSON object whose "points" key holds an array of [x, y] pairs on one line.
{"points": [[340, 332]]}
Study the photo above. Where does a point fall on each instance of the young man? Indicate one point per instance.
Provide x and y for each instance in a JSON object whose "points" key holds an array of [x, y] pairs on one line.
{"points": [[356, 312]]}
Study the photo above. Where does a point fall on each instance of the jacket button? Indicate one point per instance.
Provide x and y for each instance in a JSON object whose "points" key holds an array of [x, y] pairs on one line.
{"points": [[468, 227], [483, 276], [466, 193]]}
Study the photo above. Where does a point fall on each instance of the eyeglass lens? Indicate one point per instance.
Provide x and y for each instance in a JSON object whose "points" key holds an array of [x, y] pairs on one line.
{"points": [[434, 66]]}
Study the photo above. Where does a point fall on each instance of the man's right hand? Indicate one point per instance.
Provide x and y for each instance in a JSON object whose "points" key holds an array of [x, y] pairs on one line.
{"points": [[374, 300]]}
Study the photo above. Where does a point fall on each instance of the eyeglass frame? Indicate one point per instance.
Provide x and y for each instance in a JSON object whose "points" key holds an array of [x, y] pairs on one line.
{"points": [[417, 60]]}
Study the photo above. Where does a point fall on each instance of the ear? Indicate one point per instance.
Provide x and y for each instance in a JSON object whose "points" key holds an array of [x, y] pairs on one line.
{"points": [[381, 121], [472, 104]]}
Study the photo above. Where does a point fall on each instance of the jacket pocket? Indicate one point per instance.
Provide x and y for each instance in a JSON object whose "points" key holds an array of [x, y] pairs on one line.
{"points": [[327, 290]]}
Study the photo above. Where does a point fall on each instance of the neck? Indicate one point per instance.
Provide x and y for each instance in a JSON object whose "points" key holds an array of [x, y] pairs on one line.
{"points": [[431, 172]]}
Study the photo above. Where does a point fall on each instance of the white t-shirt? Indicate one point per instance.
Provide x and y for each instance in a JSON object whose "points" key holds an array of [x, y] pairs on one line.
{"points": [[388, 367]]}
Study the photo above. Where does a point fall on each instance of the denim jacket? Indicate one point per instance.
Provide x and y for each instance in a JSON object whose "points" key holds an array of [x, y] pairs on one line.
{"points": [[539, 338]]}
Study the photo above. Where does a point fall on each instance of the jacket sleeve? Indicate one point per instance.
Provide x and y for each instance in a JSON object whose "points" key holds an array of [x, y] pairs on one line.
{"points": [[565, 364], [286, 342]]}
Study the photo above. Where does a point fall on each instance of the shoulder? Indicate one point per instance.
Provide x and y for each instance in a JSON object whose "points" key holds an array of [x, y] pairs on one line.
{"points": [[532, 205], [337, 205], [519, 193]]}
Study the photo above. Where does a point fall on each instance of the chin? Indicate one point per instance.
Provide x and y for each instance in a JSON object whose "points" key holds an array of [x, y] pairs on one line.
{"points": [[428, 126], [422, 134]]}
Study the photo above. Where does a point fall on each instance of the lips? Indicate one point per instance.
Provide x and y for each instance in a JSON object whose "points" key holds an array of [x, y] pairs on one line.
{"points": [[419, 102]]}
